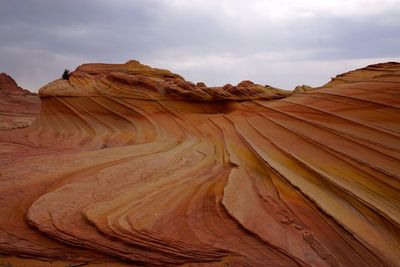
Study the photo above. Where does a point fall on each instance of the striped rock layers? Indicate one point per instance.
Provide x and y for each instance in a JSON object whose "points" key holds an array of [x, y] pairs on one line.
{"points": [[132, 163]]}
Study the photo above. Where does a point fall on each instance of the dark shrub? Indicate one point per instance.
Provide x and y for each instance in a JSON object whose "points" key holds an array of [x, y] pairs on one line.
{"points": [[65, 75]]}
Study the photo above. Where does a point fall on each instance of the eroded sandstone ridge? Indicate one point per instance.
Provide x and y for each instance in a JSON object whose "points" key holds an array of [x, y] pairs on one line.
{"points": [[132, 163], [136, 81], [18, 106]]}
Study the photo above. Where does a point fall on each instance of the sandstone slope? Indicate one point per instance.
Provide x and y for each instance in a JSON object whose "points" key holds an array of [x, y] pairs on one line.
{"points": [[18, 106], [132, 163]]}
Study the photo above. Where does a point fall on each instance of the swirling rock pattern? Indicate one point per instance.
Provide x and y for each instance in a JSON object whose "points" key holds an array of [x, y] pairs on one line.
{"points": [[132, 163]]}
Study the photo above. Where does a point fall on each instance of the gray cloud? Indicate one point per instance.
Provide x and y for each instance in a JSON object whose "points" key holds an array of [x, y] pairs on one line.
{"points": [[282, 43]]}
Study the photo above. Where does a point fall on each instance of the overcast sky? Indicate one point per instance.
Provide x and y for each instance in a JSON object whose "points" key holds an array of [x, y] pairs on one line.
{"points": [[282, 43]]}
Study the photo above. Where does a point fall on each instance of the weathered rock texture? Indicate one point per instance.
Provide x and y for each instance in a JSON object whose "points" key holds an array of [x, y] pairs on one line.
{"points": [[18, 106], [133, 80], [134, 163]]}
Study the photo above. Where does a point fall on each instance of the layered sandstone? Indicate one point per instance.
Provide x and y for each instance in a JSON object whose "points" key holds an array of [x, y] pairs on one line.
{"points": [[18, 106], [127, 162], [136, 81]]}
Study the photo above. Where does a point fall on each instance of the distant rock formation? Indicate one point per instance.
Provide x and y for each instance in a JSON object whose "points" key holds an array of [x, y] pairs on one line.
{"points": [[302, 88], [128, 164], [9, 87], [18, 106]]}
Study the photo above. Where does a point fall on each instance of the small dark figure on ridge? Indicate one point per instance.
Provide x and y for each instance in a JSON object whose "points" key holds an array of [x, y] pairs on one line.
{"points": [[65, 75]]}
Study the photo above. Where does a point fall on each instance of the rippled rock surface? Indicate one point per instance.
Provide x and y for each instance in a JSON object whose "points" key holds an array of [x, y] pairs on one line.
{"points": [[128, 163]]}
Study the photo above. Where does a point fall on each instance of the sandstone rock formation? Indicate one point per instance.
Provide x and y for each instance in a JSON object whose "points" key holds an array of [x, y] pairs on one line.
{"points": [[132, 163], [133, 80], [18, 106], [302, 88]]}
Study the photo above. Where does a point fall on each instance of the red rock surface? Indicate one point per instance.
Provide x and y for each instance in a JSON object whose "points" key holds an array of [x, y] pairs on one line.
{"points": [[136, 81], [18, 106], [127, 162]]}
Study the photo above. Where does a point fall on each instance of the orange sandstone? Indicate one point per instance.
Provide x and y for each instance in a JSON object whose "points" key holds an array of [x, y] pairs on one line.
{"points": [[130, 163]]}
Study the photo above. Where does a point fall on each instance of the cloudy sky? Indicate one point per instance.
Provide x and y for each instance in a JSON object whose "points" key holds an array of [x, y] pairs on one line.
{"points": [[277, 42]]}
